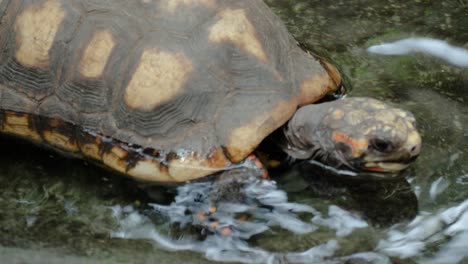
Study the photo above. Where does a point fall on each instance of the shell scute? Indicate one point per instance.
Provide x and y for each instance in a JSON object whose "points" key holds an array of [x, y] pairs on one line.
{"points": [[133, 82]]}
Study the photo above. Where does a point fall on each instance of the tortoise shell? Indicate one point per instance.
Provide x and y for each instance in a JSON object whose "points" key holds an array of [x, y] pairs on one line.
{"points": [[166, 91]]}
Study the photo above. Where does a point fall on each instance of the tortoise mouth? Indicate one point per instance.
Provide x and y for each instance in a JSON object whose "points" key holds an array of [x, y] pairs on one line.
{"points": [[375, 168], [379, 172], [387, 166], [384, 166]]}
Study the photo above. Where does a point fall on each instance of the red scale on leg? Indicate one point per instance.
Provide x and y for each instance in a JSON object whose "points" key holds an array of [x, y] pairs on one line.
{"points": [[257, 163], [250, 170]]}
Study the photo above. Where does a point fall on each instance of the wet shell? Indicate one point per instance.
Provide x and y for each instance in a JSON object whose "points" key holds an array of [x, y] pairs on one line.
{"points": [[165, 91]]}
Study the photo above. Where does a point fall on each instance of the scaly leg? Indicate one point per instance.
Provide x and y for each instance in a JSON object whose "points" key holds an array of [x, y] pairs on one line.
{"points": [[229, 195]]}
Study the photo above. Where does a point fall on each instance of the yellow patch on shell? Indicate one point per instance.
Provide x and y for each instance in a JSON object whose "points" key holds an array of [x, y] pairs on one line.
{"points": [[115, 159], [234, 27], [35, 29], [91, 150], [314, 88], [18, 124], [335, 76], [149, 170], [244, 139], [97, 54], [172, 5], [60, 141], [158, 79], [193, 167], [188, 169]]}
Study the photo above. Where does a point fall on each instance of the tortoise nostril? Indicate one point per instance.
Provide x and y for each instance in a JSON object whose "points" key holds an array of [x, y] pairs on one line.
{"points": [[414, 150]]}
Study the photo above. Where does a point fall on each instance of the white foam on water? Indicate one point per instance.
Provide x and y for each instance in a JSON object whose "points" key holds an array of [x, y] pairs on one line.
{"points": [[452, 252], [314, 255], [289, 222], [367, 257], [31, 220], [437, 187], [133, 225], [401, 248], [341, 220], [457, 219], [70, 208], [411, 240], [452, 214], [232, 249], [405, 241], [278, 213], [463, 179], [434, 47], [271, 208], [447, 227]]}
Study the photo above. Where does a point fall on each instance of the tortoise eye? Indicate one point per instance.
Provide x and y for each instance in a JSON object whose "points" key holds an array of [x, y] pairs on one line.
{"points": [[381, 145]]}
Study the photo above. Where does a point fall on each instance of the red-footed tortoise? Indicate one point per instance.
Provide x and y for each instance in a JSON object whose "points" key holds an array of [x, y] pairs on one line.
{"points": [[174, 90]]}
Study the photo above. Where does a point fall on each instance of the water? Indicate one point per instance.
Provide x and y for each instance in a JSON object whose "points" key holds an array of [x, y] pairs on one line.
{"points": [[55, 208]]}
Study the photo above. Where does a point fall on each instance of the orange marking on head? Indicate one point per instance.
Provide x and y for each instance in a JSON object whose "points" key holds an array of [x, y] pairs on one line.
{"points": [[212, 210], [356, 144], [265, 174], [214, 225]]}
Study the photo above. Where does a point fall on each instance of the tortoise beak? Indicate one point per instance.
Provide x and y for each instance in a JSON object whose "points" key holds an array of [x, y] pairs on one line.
{"points": [[385, 166], [394, 164], [398, 161]]}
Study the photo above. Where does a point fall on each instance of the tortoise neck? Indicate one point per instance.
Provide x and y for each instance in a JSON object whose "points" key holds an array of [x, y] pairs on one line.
{"points": [[300, 137]]}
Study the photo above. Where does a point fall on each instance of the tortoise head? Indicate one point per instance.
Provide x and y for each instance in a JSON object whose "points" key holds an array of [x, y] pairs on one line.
{"points": [[358, 134]]}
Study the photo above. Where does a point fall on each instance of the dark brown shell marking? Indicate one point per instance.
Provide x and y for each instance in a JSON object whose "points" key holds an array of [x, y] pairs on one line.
{"points": [[141, 163]]}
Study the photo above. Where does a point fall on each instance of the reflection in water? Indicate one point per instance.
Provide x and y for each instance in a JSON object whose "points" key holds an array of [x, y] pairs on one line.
{"points": [[381, 202]]}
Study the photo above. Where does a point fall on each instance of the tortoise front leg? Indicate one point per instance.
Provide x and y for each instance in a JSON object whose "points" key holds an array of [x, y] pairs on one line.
{"points": [[231, 194], [239, 202], [230, 185]]}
